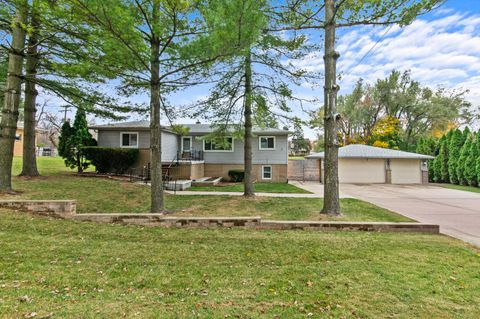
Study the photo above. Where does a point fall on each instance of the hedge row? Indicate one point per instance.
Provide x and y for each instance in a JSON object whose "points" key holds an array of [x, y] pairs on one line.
{"points": [[457, 157], [111, 160]]}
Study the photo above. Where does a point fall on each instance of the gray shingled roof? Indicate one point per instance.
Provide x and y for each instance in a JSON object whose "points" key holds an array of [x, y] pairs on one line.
{"points": [[194, 128], [132, 124], [367, 151]]}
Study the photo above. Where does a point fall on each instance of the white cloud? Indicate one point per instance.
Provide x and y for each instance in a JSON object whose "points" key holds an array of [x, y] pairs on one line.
{"points": [[444, 50]]}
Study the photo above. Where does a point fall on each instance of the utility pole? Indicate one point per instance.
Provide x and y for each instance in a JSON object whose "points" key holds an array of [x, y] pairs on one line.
{"points": [[67, 108]]}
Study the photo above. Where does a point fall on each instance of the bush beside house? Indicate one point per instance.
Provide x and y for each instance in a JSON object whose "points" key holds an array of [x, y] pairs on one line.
{"points": [[111, 160], [236, 175]]}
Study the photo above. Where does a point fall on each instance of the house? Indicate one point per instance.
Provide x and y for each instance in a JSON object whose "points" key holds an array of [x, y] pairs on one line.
{"points": [[194, 156], [366, 164], [19, 135]]}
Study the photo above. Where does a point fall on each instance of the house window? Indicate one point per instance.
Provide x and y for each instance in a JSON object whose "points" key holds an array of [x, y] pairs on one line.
{"points": [[424, 165], [266, 142], [18, 137], [129, 140], [266, 172], [186, 143], [211, 146]]}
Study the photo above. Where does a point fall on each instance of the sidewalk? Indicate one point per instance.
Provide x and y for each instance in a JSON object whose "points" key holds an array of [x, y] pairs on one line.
{"points": [[290, 195], [315, 188]]}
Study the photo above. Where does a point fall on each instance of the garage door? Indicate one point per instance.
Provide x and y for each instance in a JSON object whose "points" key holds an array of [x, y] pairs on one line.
{"points": [[361, 170], [405, 171]]}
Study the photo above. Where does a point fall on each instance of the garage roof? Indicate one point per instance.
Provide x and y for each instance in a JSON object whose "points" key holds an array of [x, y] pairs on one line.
{"points": [[367, 151]]}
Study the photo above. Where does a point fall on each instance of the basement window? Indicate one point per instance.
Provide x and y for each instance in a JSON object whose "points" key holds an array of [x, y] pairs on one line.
{"points": [[266, 172]]}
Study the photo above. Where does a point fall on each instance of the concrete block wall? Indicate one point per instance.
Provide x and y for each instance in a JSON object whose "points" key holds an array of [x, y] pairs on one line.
{"points": [[55, 208]]}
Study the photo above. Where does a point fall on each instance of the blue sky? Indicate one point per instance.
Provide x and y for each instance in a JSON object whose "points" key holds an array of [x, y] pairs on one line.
{"points": [[441, 48]]}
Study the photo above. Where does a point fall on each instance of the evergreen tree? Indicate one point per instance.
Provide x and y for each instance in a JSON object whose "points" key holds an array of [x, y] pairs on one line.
{"points": [[299, 142], [470, 162], [439, 161], [477, 168], [66, 134], [445, 177], [429, 146], [72, 141], [454, 147], [460, 167]]}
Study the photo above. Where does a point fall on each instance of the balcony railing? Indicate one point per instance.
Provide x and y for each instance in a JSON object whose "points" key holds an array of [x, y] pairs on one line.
{"points": [[192, 155]]}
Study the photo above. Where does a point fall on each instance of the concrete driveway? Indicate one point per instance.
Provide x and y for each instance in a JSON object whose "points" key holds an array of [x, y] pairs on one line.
{"points": [[457, 212]]}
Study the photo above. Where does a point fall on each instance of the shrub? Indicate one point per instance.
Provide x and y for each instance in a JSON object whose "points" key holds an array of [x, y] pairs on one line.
{"points": [[236, 175], [111, 160]]}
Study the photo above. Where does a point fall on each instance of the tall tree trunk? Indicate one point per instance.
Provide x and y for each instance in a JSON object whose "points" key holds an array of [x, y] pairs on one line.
{"points": [[331, 204], [29, 164], [247, 113], [157, 203], [8, 123]]}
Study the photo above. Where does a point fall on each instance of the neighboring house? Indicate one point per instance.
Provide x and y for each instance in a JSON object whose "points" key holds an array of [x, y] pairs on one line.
{"points": [[19, 134], [365, 164], [194, 156]]}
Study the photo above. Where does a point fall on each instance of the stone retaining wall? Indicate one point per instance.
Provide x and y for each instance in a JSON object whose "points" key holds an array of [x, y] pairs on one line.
{"points": [[349, 226], [255, 222], [66, 209], [56, 208], [167, 221]]}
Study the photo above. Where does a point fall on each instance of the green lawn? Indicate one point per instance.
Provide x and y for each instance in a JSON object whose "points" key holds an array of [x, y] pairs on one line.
{"points": [[102, 195], [67, 269], [462, 188], [258, 187]]}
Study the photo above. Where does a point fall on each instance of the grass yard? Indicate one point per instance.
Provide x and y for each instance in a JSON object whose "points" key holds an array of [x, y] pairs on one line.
{"points": [[66, 269], [462, 187], [258, 187], [296, 158], [101, 195]]}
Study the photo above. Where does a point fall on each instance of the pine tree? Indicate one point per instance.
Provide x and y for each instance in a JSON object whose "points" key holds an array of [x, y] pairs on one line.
{"points": [[454, 147], [66, 134], [470, 162], [440, 159], [73, 139], [428, 146], [460, 167], [477, 168], [445, 156]]}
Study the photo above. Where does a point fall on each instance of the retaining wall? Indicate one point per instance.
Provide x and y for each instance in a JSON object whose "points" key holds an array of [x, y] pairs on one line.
{"points": [[56, 208], [66, 209]]}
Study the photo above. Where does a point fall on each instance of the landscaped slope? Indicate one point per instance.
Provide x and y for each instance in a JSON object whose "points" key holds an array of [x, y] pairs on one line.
{"points": [[67, 269], [101, 195]]}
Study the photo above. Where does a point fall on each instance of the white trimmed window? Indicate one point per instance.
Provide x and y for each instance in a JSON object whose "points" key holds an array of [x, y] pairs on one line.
{"points": [[211, 146], [266, 143], [187, 143], [267, 172], [129, 139]]}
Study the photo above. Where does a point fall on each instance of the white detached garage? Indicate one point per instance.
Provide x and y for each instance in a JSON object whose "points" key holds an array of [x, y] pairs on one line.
{"points": [[364, 164]]}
